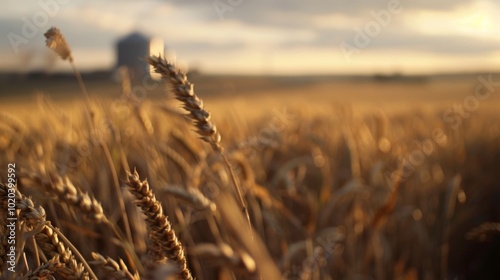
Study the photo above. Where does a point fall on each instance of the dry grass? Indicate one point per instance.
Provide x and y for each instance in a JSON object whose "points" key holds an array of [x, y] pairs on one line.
{"points": [[326, 192]]}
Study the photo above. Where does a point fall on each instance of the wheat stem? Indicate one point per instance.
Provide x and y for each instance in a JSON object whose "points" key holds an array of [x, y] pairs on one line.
{"points": [[184, 92], [163, 241]]}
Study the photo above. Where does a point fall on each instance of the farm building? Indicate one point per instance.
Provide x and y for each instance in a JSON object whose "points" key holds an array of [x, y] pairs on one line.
{"points": [[131, 51]]}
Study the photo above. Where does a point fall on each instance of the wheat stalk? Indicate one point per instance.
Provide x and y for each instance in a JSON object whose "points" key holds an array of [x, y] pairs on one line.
{"points": [[163, 240], [51, 241], [192, 196], [112, 268], [184, 92], [71, 195], [481, 232], [52, 245], [57, 42], [45, 271]]}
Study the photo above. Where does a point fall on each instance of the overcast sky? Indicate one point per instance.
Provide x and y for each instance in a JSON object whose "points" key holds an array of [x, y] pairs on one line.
{"points": [[264, 36]]}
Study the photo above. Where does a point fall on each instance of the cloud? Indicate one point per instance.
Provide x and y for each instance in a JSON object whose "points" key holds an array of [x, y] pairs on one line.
{"points": [[77, 35], [328, 23], [194, 29], [447, 44], [290, 13]]}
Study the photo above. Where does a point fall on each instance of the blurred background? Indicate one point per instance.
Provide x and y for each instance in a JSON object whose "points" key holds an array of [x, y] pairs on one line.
{"points": [[387, 55], [263, 37]]}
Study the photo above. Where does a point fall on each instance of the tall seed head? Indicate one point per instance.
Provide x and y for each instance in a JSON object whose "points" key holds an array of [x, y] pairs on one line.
{"points": [[184, 92], [57, 42]]}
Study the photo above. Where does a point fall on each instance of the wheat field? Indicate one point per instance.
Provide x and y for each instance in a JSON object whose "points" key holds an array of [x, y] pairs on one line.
{"points": [[275, 180]]}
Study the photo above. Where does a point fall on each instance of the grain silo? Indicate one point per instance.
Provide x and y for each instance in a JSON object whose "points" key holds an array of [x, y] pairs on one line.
{"points": [[132, 50]]}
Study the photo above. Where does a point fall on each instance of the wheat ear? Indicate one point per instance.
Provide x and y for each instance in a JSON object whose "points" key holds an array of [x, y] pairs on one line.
{"points": [[45, 271], [112, 269], [163, 240], [55, 40], [52, 242], [71, 195], [184, 92]]}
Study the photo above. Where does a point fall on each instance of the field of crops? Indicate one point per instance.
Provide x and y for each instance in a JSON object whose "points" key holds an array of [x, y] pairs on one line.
{"points": [[288, 178]]}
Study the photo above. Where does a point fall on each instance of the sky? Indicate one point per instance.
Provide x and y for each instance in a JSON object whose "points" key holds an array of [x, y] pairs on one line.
{"points": [[277, 37]]}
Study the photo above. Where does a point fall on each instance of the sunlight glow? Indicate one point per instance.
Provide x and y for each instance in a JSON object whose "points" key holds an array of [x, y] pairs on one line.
{"points": [[476, 20]]}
